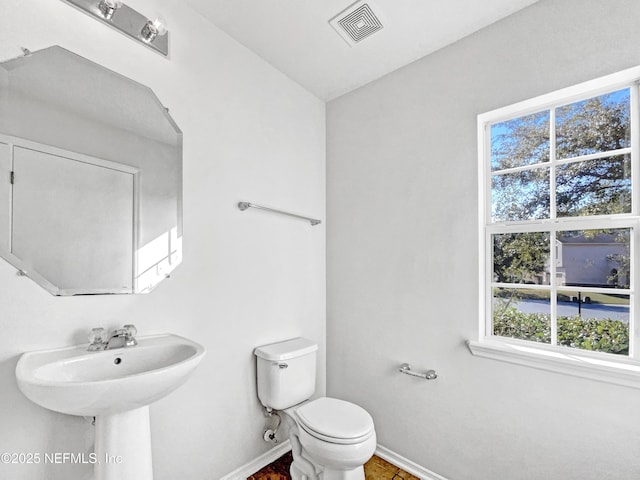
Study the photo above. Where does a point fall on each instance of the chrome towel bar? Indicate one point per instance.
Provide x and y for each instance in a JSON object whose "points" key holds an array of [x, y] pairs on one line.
{"points": [[428, 375], [244, 205]]}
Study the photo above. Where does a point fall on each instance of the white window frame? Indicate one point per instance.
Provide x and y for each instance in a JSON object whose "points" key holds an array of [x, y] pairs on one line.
{"points": [[616, 369]]}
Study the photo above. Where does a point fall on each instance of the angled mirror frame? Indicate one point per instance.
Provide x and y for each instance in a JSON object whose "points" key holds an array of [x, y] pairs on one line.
{"points": [[90, 177]]}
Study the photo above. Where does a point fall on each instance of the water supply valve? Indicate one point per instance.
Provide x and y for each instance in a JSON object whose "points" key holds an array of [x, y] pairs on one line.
{"points": [[270, 436]]}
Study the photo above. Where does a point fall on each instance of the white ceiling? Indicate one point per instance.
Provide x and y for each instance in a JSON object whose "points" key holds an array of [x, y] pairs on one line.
{"points": [[295, 35]]}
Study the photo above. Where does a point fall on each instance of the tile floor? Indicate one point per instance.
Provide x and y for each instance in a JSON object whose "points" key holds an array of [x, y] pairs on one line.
{"points": [[374, 469]]}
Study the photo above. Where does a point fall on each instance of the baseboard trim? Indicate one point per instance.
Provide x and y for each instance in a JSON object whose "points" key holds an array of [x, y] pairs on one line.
{"points": [[406, 464], [276, 452], [259, 463]]}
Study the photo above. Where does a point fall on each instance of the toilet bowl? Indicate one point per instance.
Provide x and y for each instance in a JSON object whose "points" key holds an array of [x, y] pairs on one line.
{"points": [[331, 439], [335, 435]]}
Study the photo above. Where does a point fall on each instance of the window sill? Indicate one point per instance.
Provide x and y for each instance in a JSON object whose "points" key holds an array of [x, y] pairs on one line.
{"points": [[623, 372]]}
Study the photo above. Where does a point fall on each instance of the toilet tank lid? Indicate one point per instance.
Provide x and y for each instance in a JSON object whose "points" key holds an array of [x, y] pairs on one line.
{"points": [[296, 347]]}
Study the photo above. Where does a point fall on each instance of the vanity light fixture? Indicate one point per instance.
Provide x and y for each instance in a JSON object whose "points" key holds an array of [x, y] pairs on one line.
{"points": [[152, 33]]}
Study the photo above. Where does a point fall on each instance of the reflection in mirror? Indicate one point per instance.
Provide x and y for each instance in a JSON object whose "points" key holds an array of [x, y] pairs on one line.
{"points": [[90, 177]]}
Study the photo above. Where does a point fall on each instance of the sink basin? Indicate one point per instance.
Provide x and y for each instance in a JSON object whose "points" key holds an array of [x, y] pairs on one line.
{"points": [[116, 387], [77, 382]]}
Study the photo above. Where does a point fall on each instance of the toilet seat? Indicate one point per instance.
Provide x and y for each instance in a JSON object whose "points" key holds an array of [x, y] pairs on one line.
{"points": [[335, 421]]}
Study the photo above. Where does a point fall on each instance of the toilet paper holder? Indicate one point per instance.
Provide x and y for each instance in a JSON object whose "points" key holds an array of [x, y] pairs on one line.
{"points": [[428, 375]]}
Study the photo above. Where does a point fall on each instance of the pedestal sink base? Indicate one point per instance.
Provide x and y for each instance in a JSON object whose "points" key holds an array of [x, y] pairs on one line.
{"points": [[123, 446]]}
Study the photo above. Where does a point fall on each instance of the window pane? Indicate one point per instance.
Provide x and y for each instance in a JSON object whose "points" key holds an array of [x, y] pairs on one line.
{"points": [[595, 258], [520, 195], [594, 321], [521, 258], [594, 187], [522, 313], [598, 124], [521, 141]]}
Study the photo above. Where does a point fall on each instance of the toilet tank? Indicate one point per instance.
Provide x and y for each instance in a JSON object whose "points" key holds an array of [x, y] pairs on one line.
{"points": [[286, 372]]}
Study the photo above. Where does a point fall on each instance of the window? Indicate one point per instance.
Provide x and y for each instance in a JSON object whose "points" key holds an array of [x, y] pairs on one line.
{"points": [[560, 230]]}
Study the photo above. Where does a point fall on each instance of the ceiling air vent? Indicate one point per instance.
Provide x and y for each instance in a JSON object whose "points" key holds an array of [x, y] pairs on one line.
{"points": [[356, 23]]}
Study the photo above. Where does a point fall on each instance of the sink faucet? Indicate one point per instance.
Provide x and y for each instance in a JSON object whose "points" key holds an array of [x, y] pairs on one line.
{"points": [[122, 337], [119, 338]]}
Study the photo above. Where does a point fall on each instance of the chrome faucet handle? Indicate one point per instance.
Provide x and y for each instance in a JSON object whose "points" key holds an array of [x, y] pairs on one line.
{"points": [[97, 338], [130, 335], [97, 335], [130, 330]]}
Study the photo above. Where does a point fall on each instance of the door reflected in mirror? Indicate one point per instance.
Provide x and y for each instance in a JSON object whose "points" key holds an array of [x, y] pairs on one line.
{"points": [[90, 177]]}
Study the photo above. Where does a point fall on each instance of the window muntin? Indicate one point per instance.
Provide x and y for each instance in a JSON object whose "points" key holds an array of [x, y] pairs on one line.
{"points": [[562, 175]]}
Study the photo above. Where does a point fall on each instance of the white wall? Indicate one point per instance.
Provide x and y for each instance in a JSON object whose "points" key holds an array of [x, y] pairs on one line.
{"points": [[247, 278], [402, 258]]}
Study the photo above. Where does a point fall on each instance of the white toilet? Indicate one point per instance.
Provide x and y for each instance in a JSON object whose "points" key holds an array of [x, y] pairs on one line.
{"points": [[331, 439]]}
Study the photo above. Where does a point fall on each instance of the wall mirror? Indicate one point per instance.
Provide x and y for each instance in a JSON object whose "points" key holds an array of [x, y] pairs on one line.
{"points": [[90, 177]]}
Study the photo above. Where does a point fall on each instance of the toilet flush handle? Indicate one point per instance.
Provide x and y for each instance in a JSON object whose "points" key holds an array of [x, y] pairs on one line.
{"points": [[281, 365]]}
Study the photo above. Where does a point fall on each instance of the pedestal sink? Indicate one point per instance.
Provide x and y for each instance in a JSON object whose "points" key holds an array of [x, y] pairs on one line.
{"points": [[114, 386]]}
